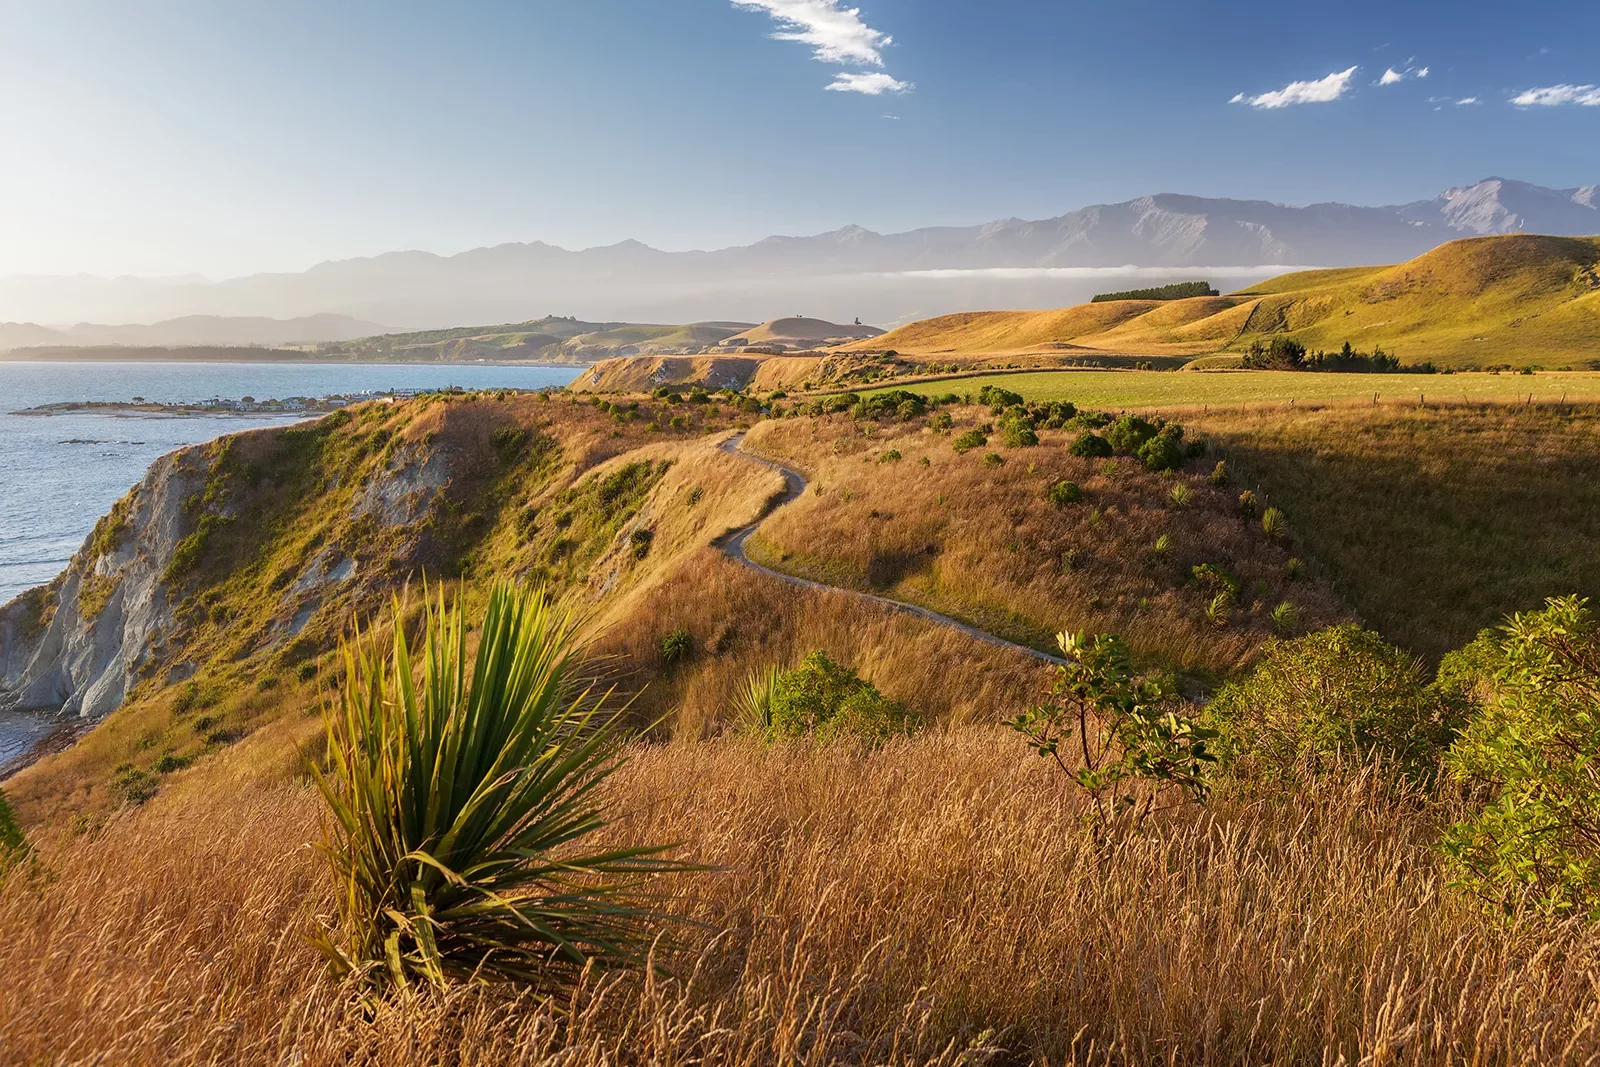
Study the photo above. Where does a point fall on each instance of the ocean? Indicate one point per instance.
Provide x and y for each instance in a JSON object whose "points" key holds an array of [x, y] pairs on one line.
{"points": [[60, 473]]}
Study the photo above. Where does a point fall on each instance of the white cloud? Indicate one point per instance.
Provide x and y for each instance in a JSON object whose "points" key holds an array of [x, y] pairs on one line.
{"points": [[1321, 91], [1395, 77], [870, 84], [836, 34], [1555, 95], [1238, 98], [1468, 101]]}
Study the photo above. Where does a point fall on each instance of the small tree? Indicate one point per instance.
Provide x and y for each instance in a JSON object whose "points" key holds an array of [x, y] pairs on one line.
{"points": [[1127, 742]]}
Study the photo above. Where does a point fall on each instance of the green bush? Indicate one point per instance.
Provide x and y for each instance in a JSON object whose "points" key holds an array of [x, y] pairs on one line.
{"points": [[999, 399], [1530, 754], [822, 699], [13, 844], [1164, 451], [969, 440], [1249, 507], [676, 646], [468, 808], [1018, 433], [1091, 445], [1129, 434], [640, 541], [1219, 474], [993, 459], [940, 422], [1339, 693], [1063, 493], [891, 456]]}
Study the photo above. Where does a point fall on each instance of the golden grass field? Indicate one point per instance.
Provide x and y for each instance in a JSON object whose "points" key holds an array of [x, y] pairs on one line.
{"points": [[1141, 390], [1518, 298], [935, 902]]}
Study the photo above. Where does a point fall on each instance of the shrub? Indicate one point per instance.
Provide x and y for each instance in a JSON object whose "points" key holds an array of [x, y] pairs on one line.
{"points": [[1019, 433], [940, 422], [640, 541], [1091, 445], [167, 763], [306, 671], [1164, 451], [133, 786], [1248, 506], [1273, 523], [1136, 743], [676, 646], [13, 844], [1129, 433], [969, 440], [1063, 493], [1530, 752], [891, 456], [1343, 692], [464, 803], [999, 399], [822, 699], [993, 459]]}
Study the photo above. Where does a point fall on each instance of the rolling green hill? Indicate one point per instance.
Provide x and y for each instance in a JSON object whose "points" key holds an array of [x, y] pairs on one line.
{"points": [[1518, 299], [550, 339]]}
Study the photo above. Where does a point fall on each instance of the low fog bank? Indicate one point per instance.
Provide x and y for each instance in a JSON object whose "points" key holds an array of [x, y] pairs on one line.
{"points": [[883, 299]]}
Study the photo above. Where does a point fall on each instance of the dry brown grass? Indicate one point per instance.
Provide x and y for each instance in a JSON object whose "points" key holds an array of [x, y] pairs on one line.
{"points": [[935, 901], [982, 543], [741, 622]]}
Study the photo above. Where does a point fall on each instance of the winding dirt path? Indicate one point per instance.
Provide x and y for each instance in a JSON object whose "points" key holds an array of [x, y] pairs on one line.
{"points": [[733, 546]]}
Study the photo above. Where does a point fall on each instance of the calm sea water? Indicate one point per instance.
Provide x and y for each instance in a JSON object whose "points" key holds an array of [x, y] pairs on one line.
{"points": [[59, 474]]}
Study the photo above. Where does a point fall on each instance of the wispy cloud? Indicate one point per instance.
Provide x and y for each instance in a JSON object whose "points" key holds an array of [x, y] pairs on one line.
{"points": [[835, 34], [871, 84], [1468, 101], [1395, 77], [1556, 95], [1321, 91]]}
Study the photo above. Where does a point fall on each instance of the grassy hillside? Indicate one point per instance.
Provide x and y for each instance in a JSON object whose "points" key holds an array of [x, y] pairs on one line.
{"points": [[1433, 523], [550, 339], [897, 510], [944, 899], [1518, 299], [800, 332]]}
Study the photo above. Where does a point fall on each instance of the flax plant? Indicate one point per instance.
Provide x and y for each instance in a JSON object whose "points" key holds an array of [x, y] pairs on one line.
{"points": [[465, 805]]}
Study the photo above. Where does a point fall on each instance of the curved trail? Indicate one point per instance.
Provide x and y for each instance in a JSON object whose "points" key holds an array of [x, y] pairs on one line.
{"points": [[732, 544]]}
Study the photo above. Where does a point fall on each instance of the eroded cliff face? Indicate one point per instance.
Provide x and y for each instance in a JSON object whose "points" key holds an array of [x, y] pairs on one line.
{"points": [[79, 645], [241, 561]]}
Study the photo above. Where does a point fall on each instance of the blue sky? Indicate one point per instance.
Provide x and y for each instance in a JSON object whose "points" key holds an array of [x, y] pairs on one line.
{"points": [[228, 136]]}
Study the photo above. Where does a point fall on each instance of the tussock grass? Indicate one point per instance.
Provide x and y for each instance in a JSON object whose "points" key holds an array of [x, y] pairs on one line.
{"points": [[935, 901]]}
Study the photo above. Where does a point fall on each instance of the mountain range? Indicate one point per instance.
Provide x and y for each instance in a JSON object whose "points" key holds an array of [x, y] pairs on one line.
{"points": [[848, 272]]}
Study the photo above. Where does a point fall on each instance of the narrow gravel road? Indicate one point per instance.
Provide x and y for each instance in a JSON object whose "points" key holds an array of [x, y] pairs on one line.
{"points": [[733, 544]]}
